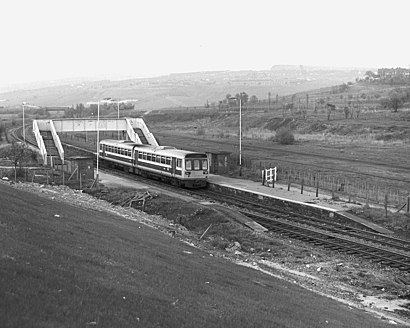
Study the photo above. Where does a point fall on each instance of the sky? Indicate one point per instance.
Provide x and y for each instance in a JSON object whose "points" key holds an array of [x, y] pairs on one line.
{"points": [[57, 39]]}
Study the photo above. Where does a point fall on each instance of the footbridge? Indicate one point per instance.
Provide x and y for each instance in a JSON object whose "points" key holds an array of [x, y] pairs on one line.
{"points": [[49, 144]]}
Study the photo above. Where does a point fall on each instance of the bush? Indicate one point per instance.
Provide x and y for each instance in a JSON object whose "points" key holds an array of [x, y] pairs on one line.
{"points": [[284, 136]]}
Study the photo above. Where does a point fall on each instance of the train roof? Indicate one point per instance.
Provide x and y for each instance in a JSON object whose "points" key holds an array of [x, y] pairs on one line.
{"points": [[159, 150], [126, 144]]}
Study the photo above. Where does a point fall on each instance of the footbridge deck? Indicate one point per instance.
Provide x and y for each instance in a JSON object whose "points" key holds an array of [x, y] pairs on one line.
{"points": [[46, 132]]}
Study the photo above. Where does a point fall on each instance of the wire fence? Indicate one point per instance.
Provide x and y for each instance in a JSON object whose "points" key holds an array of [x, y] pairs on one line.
{"points": [[353, 189], [44, 175]]}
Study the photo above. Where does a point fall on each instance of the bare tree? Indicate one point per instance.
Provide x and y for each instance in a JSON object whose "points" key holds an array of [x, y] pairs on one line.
{"points": [[19, 154]]}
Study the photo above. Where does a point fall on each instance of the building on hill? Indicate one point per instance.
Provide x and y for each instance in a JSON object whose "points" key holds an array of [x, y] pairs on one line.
{"points": [[56, 111], [393, 73]]}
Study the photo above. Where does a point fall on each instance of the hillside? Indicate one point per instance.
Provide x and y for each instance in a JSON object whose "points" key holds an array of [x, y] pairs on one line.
{"points": [[185, 90]]}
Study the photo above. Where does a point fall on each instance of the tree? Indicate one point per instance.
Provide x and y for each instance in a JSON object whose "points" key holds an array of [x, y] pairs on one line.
{"points": [[346, 111], [284, 136], [19, 154], [243, 96], [394, 101], [2, 130], [330, 108], [254, 100]]}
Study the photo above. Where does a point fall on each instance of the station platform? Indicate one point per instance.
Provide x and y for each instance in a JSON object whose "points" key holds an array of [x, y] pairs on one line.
{"points": [[293, 197]]}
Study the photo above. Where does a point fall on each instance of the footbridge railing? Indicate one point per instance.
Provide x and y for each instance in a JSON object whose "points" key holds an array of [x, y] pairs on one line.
{"points": [[40, 142], [57, 141]]}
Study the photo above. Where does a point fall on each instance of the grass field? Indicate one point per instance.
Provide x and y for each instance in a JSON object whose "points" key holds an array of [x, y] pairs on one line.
{"points": [[66, 266]]}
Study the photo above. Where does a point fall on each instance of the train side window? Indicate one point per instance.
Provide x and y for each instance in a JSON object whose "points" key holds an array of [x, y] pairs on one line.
{"points": [[140, 155], [188, 165], [168, 160], [204, 164], [153, 157], [149, 157], [179, 162], [162, 159], [158, 159], [144, 156], [196, 164]]}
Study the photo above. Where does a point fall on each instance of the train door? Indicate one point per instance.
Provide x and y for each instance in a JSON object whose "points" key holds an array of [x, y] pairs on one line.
{"points": [[135, 158], [173, 165]]}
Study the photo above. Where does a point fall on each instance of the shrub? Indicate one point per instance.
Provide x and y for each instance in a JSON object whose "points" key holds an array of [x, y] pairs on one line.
{"points": [[200, 131], [284, 136]]}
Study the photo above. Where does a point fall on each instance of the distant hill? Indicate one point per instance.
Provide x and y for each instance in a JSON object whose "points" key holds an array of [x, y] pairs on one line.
{"points": [[184, 89]]}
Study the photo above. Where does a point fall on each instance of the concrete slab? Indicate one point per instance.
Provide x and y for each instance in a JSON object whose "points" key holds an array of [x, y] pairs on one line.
{"points": [[366, 223]]}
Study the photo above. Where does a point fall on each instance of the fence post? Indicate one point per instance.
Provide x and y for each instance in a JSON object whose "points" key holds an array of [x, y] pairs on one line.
{"points": [[377, 194], [301, 188], [288, 183], [385, 203], [408, 204], [367, 194], [317, 188]]}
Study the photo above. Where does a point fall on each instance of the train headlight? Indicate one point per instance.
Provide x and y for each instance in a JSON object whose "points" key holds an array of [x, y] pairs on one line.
{"points": [[187, 173]]}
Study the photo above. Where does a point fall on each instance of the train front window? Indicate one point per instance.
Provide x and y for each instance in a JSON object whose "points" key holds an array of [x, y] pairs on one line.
{"points": [[196, 164], [188, 165], [204, 164]]}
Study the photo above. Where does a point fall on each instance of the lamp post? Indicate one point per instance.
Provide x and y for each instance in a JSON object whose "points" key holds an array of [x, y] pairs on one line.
{"points": [[118, 117], [24, 131], [240, 132], [98, 139]]}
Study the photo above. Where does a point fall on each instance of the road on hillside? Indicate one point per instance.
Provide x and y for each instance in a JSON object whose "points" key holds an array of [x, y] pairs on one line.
{"points": [[73, 267]]}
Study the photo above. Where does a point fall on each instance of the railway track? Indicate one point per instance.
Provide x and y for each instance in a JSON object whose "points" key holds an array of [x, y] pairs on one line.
{"points": [[376, 254], [337, 236], [336, 225]]}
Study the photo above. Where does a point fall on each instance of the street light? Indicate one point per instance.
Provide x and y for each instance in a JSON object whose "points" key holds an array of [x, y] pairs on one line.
{"points": [[24, 131], [118, 111], [240, 132], [98, 138], [118, 117]]}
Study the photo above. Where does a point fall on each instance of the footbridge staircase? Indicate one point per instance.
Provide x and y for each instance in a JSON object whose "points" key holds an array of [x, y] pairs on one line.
{"points": [[51, 149]]}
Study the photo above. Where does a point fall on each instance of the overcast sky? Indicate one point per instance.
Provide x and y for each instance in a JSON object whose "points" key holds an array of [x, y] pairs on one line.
{"points": [[54, 39]]}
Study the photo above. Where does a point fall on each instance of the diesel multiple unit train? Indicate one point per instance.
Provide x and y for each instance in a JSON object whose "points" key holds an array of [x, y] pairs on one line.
{"points": [[178, 167]]}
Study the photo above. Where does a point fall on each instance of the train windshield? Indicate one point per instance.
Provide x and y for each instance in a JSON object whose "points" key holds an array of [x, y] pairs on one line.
{"points": [[196, 164]]}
